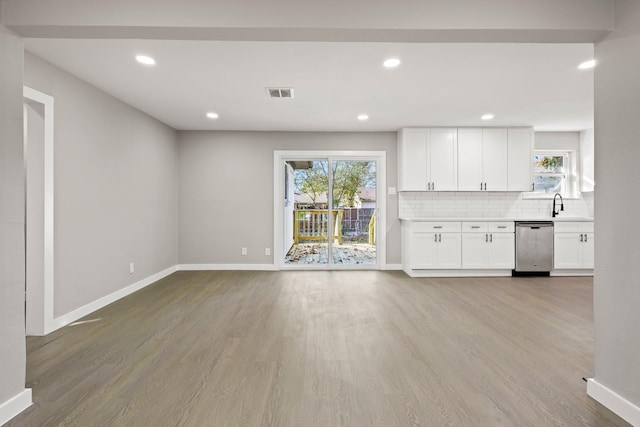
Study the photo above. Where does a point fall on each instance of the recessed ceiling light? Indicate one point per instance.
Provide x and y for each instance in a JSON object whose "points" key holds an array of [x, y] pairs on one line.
{"points": [[146, 60], [587, 64], [487, 117], [363, 117], [391, 62], [212, 115]]}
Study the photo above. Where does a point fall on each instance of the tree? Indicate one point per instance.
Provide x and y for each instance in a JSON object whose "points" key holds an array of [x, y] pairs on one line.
{"points": [[348, 176], [312, 182]]}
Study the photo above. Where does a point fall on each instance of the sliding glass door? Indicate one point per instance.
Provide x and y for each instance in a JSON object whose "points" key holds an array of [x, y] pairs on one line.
{"points": [[329, 208]]}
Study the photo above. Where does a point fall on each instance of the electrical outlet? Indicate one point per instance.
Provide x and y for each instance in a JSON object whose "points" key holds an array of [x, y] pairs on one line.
{"points": [[244, 251], [132, 268], [267, 251]]}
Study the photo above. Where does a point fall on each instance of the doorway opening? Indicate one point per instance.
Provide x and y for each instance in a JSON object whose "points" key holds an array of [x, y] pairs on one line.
{"points": [[38, 177], [329, 209]]}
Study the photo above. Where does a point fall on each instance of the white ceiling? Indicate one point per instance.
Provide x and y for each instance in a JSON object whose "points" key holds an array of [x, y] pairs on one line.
{"points": [[438, 84]]}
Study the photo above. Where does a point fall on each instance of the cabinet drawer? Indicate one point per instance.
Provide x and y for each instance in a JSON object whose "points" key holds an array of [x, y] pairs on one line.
{"points": [[438, 227], [502, 227], [475, 227], [572, 227]]}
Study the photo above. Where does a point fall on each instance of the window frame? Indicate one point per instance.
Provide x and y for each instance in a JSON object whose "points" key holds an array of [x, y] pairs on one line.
{"points": [[570, 174]]}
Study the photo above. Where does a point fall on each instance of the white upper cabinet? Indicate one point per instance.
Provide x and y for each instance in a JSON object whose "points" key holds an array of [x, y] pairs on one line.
{"points": [[469, 159], [520, 152], [482, 159], [412, 159], [494, 159], [427, 159], [442, 156], [465, 159]]}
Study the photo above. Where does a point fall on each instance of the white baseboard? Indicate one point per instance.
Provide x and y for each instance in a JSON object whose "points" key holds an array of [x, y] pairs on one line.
{"points": [[612, 400], [78, 313], [15, 405], [198, 267], [391, 267], [458, 273], [571, 272]]}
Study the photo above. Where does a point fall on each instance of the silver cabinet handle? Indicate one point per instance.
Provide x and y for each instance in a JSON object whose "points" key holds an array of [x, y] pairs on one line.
{"points": [[485, 186], [502, 226], [480, 186], [439, 237], [491, 237], [486, 237], [533, 186], [585, 237], [435, 236], [433, 185], [437, 226], [582, 237], [475, 226]]}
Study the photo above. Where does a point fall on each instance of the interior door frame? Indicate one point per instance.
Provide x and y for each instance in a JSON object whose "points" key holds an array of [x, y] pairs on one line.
{"points": [[43, 323], [280, 157]]}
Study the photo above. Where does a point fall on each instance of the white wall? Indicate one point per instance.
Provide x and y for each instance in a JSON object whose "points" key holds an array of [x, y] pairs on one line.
{"points": [[587, 160], [617, 150], [12, 332], [115, 190], [226, 190]]}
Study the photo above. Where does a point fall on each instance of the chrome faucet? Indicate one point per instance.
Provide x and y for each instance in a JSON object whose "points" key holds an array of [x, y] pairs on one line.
{"points": [[553, 211]]}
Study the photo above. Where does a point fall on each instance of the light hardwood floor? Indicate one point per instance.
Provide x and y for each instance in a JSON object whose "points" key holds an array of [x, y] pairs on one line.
{"points": [[356, 348]]}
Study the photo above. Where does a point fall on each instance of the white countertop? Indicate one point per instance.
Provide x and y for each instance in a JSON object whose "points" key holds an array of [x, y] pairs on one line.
{"points": [[489, 219]]}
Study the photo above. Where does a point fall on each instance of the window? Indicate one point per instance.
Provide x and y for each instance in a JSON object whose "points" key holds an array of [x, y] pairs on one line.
{"points": [[551, 172]]}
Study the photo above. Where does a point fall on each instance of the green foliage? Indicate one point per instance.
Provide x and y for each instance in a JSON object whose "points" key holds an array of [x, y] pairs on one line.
{"points": [[348, 177], [551, 163]]}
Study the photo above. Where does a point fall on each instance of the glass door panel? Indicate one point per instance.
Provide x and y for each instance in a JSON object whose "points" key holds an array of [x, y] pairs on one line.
{"points": [[353, 206], [307, 222]]}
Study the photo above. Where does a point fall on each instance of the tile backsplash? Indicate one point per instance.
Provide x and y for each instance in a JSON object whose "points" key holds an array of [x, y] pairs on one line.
{"points": [[433, 204]]}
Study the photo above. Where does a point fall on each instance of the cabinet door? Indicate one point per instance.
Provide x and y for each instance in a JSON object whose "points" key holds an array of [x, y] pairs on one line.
{"points": [[423, 254], [443, 159], [412, 159], [520, 165], [567, 250], [494, 159], [448, 250], [469, 159], [502, 250], [474, 250], [587, 251]]}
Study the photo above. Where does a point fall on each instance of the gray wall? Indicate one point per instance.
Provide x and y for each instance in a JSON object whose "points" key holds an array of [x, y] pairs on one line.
{"points": [[226, 190], [617, 150], [12, 341], [115, 189], [557, 141]]}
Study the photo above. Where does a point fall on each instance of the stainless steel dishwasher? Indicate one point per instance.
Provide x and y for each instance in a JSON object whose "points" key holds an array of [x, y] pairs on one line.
{"points": [[534, 247]]}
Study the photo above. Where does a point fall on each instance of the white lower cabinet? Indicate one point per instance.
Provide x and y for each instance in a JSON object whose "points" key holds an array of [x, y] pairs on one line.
{"points": [[488, 245], [573, 245], [457, 248], [434, 246]]}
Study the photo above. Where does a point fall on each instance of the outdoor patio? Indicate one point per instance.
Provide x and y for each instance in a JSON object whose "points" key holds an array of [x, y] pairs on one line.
{"points": [[343, 254]]}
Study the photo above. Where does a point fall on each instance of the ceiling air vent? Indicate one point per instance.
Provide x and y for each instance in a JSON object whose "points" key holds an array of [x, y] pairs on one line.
{"points": [[280, 92]]}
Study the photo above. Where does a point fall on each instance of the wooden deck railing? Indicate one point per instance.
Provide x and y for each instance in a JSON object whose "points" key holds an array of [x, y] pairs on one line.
{"points": [[372, 229], [312, 224]]}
